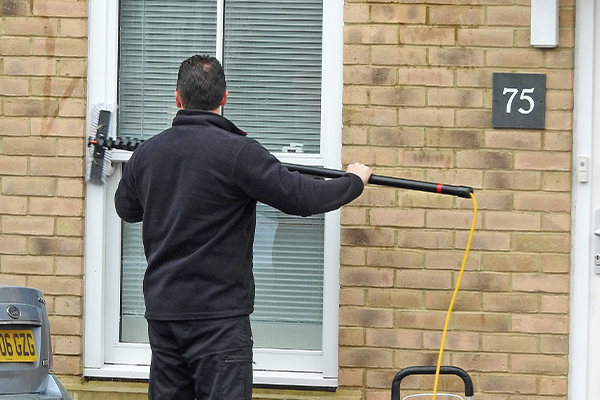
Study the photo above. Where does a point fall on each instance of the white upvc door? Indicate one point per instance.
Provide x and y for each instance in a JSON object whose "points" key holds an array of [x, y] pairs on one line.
{"points": [[584, 343]]}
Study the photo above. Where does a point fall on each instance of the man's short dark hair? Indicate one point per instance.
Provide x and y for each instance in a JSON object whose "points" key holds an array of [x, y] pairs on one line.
{"points": [[201, 83]]}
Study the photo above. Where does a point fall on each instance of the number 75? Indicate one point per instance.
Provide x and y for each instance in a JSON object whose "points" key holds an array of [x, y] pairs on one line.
{"points": [[523, 96]]}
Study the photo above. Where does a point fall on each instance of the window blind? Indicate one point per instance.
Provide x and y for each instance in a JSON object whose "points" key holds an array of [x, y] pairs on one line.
{"points": [[132, 270], [288, 271], [288, 267], [155, 37], [272, 61]]}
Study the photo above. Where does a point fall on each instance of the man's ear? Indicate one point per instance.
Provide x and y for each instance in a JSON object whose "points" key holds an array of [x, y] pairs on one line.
{"points": [[224, 100], [178, 100]]}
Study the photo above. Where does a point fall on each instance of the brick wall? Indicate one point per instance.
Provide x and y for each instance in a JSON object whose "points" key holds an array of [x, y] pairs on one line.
{"points": [[417, 105], [42, 129]]}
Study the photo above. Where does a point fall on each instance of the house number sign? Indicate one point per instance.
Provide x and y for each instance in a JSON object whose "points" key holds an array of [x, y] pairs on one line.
{"points": [[519, 101]]}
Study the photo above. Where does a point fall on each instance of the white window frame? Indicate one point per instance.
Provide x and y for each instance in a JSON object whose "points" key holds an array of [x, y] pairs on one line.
{"points": [[104, 356]]}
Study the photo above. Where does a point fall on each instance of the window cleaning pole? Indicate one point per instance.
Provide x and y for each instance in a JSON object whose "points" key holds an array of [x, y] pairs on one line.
{"points": [[460, 191], [101, 143]]}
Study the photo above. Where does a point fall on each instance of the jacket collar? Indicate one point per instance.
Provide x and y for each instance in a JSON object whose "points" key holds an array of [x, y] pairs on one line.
{"points": [[198, 117]]}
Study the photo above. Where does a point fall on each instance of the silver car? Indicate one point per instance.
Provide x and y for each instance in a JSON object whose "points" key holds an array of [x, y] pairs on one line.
{"points": [[25, 348]]}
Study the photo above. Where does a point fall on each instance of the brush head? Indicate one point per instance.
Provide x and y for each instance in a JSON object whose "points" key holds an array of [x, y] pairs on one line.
{"points": [[99, 160]]}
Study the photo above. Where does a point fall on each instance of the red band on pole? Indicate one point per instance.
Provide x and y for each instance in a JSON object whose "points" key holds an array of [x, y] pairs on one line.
{"points": [[439, 187]]}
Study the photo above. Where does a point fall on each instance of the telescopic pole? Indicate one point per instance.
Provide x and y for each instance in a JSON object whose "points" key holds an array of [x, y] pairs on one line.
{"points": [[460, 191]]}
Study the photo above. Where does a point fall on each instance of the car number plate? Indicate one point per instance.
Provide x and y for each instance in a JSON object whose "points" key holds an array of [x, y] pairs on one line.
{"points": [[17, 346]]}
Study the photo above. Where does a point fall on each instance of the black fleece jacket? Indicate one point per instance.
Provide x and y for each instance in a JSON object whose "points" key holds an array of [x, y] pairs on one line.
{"points": [[195, 187]]}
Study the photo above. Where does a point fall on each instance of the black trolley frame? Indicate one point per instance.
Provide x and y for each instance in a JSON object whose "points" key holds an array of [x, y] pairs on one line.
{"points": [[444, 370]]}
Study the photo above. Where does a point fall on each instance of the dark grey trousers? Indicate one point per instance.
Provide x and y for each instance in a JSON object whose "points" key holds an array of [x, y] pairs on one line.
{"points": [[201, 359]]}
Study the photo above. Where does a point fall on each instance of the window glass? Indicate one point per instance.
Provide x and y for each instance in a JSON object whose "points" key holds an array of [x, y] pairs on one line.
{"points": [[272, 60]]}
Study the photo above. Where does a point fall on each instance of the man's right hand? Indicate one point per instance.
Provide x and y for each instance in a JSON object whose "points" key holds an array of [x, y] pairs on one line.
{"points": [[361, 170]]}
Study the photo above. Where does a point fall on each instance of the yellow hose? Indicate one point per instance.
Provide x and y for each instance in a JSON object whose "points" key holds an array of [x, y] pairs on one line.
{"points": [[462, 269]]}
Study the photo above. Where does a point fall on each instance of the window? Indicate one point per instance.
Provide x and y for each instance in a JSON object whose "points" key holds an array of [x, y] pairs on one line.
{"points": [[283, 65]]}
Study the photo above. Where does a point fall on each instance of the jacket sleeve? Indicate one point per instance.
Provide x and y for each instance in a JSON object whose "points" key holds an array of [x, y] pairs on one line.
{"points": [[127, 202], [260, 174]]}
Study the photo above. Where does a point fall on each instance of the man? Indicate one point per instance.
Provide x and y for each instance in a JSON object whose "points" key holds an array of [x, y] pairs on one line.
{"points": [[195, 187]]}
